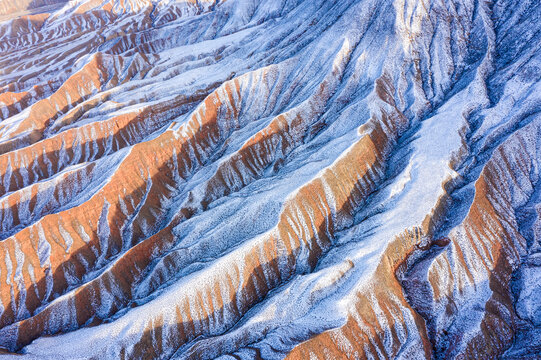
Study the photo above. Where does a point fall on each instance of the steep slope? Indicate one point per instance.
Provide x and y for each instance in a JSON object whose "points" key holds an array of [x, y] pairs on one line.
{"points": [[280, 179]]}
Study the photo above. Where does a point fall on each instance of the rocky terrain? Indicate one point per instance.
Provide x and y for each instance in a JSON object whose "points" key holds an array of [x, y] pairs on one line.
{"points": [[248, 179]]}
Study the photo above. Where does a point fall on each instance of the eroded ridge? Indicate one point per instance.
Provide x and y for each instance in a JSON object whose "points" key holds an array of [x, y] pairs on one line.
{"points": [[280, 179]]}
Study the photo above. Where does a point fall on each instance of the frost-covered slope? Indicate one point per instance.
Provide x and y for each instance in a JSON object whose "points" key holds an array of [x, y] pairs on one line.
{"points": [[271, 179]]}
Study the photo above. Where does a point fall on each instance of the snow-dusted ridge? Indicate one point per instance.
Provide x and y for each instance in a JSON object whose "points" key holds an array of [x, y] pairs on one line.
{"points": [[270, 179]]}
